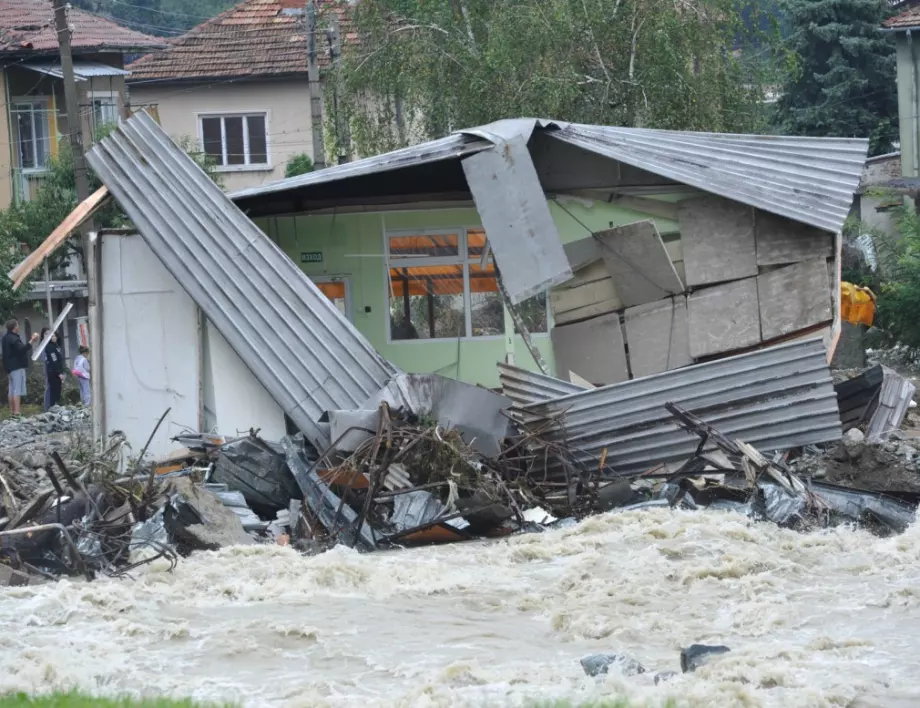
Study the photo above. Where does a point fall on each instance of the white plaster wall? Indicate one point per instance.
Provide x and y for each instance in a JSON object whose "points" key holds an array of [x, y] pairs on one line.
{"points": [[150, 346], [235, 400], [287, 103]]}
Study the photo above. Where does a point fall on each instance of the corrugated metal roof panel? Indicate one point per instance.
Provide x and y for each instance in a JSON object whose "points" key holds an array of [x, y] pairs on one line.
{"points": [[451, 147], [810, 180], [773, 398], [82, 70], [313, 359], [525, 387], [516, 215]]}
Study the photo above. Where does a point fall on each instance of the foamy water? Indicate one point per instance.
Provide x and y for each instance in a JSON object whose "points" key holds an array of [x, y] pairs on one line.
{"points": [[826, 619]]}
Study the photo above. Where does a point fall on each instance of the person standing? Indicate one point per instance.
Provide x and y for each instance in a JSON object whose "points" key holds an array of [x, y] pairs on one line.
{"points": [[16, 362], [54, 371], [81, 371]]}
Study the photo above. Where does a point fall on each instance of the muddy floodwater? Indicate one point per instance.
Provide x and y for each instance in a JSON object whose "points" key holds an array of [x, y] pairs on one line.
{"points": [[826, 619]]}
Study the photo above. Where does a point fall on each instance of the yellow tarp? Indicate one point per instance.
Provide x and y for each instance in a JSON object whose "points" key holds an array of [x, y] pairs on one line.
{"points": [[857, 304]]}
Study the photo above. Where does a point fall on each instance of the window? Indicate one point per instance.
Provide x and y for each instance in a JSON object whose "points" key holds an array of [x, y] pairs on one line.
{"points": [[33, 141], [439, 288], [235, 141], [105, 109]]}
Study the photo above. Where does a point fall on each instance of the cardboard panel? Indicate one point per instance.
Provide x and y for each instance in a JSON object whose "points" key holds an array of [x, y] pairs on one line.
{"points": [[793, 298], [781, 241], [718, 240], [658, 336], [639, 263], [724, 318], [594, 349]]}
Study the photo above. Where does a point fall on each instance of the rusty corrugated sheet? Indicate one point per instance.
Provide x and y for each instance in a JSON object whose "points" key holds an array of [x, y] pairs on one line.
{"points": [[773, 398], [305, 353]]}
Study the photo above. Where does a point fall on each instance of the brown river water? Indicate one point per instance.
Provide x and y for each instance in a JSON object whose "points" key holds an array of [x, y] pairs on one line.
{"points": [[822, 619]]}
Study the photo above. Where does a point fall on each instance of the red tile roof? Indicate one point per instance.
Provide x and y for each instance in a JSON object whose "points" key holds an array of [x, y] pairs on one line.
{"points": [[254, 38], [908, 18], [28, 26]]}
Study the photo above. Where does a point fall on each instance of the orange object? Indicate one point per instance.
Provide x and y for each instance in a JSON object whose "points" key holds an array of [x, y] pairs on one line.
{"points": [[857, 304]]}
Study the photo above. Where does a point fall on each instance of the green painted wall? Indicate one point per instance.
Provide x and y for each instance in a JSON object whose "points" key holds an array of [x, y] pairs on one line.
{"points": [[353, 246]]}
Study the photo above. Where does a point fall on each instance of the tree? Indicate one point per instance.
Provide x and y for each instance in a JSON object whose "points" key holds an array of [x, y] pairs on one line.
{"points": [[842, 82], [299, 164], [421, 68], [165, 18]]}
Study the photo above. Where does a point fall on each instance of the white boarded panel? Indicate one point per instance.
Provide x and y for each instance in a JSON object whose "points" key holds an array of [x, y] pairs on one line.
{"points": [[781, 241], [718, 240], [236, 400], [593, 348], [150, 348], [793, 298], [523, 236], [723, 318], [639, 264], [658, 336]]}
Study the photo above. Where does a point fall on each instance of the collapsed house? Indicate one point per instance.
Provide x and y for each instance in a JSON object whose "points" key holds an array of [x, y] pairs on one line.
{"points": [[596, 274]]}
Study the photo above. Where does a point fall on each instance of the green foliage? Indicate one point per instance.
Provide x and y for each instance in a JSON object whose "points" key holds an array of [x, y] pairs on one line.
{"points": [[898, 285], [425, 67], [79, 700], [841, 82], [299, 164]]}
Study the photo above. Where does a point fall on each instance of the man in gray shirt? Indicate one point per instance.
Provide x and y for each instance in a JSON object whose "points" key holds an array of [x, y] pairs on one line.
{"points": [[16, 362]]}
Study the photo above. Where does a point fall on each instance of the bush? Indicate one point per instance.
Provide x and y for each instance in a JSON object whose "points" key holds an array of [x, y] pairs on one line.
{"points": [[298, 165], [896, 282]]}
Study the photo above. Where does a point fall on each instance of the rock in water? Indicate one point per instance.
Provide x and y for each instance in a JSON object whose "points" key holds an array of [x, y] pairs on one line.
{"points": [[663, 676], [599, 664], [697, 655], [854, 436]]}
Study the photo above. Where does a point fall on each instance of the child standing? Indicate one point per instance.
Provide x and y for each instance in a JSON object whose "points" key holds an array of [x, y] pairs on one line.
{"points": [[81, 371]]}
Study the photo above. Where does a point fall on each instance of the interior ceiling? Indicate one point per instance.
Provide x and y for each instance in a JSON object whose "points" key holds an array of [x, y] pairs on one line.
{"points": [[560, 166]]}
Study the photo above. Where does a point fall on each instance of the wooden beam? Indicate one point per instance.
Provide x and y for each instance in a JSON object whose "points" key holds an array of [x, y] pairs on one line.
{"points": [[74, 220]]}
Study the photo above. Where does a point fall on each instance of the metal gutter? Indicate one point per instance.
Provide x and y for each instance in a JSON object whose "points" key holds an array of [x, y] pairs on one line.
{"points": [[296, 343], [773, 398]]}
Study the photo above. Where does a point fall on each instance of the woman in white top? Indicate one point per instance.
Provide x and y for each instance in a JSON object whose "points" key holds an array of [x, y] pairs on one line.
{"points": [[81, 371]]}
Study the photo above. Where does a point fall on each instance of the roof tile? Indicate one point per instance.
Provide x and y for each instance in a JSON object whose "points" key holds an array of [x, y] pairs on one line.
{"points": [[28, 25], [908, 18], [254, 38]]}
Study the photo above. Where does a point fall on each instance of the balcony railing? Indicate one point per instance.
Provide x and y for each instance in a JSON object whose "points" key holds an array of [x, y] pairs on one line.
{"points": [[26, 184]]}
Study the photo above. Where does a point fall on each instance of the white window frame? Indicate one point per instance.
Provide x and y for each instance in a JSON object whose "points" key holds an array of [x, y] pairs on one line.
{"points": [[45, 101], [462, 258], [93, 96], [247, 167]]}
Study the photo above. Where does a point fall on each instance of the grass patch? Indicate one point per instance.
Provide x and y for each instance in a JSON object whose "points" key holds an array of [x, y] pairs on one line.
{"points": [[79, 700], [28, 410]]}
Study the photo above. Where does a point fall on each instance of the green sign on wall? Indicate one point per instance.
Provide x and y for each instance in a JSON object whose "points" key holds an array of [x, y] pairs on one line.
{"points": [[311, 256]]}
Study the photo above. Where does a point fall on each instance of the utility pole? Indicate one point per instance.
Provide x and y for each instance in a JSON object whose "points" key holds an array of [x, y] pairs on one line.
{"points": [[342, 134], [316, 91], [91, 253]]}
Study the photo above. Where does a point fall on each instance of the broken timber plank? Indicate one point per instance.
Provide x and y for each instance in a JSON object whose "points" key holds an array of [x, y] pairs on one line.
{"points": [[74, 220]]}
